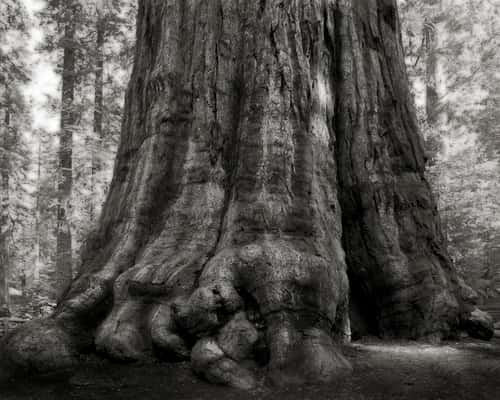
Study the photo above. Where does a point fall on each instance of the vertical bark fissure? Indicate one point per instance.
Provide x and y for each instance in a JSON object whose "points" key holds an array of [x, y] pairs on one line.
{"points": [[345, 73], [220, 150]]}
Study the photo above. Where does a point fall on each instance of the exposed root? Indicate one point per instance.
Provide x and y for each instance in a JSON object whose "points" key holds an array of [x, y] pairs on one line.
{"points": [[210, 361], [97, 290], [235, 323], [165, 336], [302, 352], [121, 335], [238, 337], [239, 314]]}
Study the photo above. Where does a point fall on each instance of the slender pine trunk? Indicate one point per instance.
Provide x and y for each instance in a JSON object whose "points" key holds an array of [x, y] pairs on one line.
{"points": [[96, 183], [4, 217], [68, 122], [430, 33], [38, 214]]}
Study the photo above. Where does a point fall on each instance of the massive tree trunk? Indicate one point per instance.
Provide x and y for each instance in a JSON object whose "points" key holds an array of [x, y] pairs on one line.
{"points": [[65, 182], [269, 156], [402, 280]]}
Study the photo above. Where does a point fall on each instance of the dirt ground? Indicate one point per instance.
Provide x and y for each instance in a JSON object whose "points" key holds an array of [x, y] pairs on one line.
{"points": [[465, 370]]}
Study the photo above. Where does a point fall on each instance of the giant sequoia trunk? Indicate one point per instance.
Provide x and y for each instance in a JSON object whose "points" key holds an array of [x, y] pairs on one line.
{"points": [[269, 157]]}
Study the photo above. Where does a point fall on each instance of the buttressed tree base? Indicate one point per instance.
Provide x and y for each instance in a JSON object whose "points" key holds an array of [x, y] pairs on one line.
{"points": [[270, 172]]}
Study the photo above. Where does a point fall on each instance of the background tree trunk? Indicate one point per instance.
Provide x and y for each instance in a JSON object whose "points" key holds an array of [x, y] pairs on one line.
{"points": [[64, 255], [98, 112], [269, 150], [433, 108], [38, 216], [5, 220], [431, 72]]}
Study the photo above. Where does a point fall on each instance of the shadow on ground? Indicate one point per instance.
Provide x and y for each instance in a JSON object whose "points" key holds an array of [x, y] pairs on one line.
{"points": [[465, 370]]}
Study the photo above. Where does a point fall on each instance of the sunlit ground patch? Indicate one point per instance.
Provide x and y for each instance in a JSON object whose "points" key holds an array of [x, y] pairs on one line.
{"points": [[409, 349]]}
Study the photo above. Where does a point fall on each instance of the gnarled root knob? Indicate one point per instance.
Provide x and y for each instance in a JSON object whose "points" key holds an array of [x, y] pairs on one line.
{"points": [[208, 308], [210, 361], [164, 334]]}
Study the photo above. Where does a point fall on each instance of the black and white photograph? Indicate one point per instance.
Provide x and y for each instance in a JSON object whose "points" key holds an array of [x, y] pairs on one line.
{"points": [[249, 199]]}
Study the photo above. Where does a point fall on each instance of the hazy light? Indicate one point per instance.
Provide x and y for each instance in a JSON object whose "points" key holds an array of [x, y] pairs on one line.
{"points": [[34, 5], [44, 83]]}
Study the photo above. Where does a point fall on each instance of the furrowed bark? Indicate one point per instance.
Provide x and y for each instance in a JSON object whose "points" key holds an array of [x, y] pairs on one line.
{"points": [[402, 280], [269, 151]]}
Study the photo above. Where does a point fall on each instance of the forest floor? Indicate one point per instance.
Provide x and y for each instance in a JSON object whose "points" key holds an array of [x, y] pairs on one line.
{"points": [[404, 370]]}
